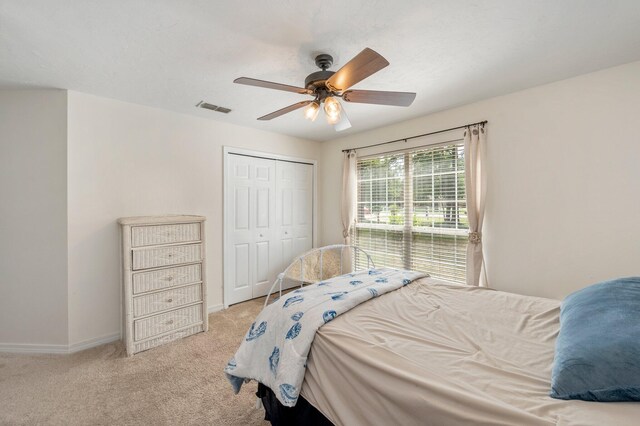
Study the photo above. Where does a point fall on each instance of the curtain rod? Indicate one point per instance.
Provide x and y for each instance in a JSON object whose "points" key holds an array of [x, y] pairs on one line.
{"points": [[417, 136]]}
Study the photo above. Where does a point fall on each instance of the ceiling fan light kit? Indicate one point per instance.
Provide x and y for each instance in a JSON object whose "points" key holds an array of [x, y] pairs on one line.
{"points": [[332, 109], [311, 111], [328, 86]]}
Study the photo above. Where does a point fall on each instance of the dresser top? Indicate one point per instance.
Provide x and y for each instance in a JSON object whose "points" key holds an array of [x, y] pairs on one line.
{"points": [[155, 220]]}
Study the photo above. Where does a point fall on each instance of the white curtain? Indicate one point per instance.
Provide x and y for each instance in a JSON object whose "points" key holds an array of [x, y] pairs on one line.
{"points": [[475, 139], [349, 194]]}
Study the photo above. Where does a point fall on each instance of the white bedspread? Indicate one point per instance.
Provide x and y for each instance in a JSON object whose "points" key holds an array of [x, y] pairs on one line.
{"points": [[274, 351]]}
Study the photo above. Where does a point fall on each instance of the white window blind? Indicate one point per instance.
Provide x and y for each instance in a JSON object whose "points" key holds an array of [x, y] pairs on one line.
{"points": [[412, 211]]}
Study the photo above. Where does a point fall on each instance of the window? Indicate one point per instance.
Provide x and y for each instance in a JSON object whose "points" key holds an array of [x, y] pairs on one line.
{"points": [[412, 211]]}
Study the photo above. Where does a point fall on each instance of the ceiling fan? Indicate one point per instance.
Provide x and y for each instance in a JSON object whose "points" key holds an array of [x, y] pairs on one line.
{"points": [[327, 86]]}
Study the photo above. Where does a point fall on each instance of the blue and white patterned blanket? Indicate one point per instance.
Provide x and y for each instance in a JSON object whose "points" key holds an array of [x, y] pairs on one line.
{"points": [[274, 351]]}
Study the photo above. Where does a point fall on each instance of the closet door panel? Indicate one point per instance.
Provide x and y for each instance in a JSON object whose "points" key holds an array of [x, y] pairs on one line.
{"points": [[263, 208], [241, 254], [284, 215], [295, 209], [287, 251], [286, 205], [303, 206], [264, 266], [241, 212], [238, 244]]}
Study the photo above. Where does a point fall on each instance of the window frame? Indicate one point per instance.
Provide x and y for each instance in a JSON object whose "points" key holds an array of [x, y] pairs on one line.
{"points": [[408, 229]]}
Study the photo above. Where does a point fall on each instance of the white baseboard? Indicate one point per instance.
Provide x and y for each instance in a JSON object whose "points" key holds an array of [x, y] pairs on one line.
{"points": [[29, 348], [215, 308], [93, 342]]}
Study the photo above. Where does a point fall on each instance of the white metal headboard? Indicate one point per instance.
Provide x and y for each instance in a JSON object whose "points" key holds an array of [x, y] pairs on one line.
{"points": [[300, 261]]}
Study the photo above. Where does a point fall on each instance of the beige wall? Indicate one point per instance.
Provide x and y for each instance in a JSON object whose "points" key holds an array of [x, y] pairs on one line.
{"points": [[33, 219], [128, 160], [561, 213], [563, 180]]}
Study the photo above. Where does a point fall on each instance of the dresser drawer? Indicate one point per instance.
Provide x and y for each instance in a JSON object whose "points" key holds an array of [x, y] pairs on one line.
{"points": [[162, 323], [161, 301], [164, 234], [153, 257], [165, 278], [153, 342]]}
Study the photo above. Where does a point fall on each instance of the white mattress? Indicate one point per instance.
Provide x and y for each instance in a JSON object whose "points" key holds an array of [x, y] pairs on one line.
{"points": [[438, 354]]}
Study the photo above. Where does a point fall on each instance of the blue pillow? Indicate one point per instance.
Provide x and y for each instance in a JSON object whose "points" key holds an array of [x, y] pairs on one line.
{"points": [[598, 348]]}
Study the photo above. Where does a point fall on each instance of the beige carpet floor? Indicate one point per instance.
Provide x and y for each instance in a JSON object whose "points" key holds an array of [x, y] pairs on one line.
{"points": [[181, 383]]}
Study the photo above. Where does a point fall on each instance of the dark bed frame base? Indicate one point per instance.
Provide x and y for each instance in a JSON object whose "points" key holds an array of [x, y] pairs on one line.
{"points": [[279, 415]]}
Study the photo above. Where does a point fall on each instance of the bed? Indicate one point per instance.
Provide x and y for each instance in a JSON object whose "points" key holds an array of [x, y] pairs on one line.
{"points": [[433, 353]]}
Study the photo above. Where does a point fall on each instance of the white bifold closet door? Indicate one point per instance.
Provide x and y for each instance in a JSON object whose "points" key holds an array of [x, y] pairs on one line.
{"points": [[294, 212], [268, 220]]}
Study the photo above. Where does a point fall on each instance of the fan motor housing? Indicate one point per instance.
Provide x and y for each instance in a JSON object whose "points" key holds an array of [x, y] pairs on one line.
{"points": [[317, 79]]}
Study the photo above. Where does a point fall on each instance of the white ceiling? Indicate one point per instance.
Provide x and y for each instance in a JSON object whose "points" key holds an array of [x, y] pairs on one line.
{"points": [[172, 54]]}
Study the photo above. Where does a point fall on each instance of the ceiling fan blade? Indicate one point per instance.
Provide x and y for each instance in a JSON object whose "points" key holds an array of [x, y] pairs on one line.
{"points": [[272, 85], [379, 97], [363, 65], [344, 122], [284, 110]]}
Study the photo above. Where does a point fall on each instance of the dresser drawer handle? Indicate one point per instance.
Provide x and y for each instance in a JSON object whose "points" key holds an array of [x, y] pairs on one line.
{"points": [[170, 322], [169, 300], [170, 255], [169, 278]]}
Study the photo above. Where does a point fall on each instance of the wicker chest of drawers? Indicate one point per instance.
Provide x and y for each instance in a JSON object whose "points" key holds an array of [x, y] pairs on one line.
{"points": [[163, 262]]}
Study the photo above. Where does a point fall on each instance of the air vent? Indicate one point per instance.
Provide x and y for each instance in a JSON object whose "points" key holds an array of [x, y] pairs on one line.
{"points": [[205, 105]]}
